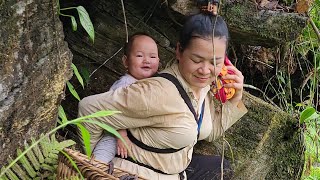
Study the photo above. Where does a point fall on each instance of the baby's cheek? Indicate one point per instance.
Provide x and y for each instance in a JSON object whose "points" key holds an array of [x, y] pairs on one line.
{"points": [[155, 67]]}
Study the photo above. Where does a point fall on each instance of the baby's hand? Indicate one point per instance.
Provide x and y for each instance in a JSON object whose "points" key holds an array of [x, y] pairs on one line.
{"points": [[122, 150]]}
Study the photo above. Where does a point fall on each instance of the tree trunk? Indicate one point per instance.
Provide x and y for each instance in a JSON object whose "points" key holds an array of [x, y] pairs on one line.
{"points": [[34, 67]]}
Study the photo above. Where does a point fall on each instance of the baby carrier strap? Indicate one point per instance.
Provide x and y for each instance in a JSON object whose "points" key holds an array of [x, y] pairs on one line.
{"points": [[182, 92]]}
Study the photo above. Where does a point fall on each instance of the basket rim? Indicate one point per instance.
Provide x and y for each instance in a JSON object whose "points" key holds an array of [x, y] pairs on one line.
{"points": [[96, 165]]}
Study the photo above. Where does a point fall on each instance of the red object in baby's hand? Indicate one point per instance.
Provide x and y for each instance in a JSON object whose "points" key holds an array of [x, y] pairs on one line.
{"points": [[220, 92]]}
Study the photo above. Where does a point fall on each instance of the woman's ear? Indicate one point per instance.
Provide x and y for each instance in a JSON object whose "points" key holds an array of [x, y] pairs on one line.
{"points": [[125, 61]]}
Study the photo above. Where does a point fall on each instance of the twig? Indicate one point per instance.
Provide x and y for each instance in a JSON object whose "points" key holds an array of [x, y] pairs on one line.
{"points": [[316, 30], [106, 61], [263, 63], [222, 159], [264, 95], [235, 56], [125, 20]]}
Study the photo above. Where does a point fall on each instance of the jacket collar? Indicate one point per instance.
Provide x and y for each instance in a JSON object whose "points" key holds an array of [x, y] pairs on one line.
{"points": [[174, 70]]}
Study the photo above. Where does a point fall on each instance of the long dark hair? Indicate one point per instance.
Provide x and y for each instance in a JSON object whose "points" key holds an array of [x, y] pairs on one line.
{"points": [[200, 26]]}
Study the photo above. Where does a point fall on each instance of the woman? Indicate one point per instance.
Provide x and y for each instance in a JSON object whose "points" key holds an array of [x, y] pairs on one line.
{"points": [[157, 116]]}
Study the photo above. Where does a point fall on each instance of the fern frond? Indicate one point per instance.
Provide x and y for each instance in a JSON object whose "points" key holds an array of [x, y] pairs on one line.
{"points": [[64, 144], [37, 152], [18, 170], [26, 164], [4, 177], [32, 157], [11, 175], [50, 160], [44, 145], [40, 162], [48, 167]]}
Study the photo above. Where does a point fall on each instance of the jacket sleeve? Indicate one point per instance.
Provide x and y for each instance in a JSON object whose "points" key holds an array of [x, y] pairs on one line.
{"points": [[223, 117], [139, 103]]}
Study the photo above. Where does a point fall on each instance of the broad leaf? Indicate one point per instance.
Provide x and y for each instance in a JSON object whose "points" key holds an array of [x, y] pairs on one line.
{"points": [[76, 72], [73, 91], [86, 21], [62, 115], [85, 74], [308, 114], [74, 23], [86, 139]]}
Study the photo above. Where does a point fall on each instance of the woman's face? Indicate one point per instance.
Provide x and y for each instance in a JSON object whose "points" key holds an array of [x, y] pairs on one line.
{"points": [[196, 61]]}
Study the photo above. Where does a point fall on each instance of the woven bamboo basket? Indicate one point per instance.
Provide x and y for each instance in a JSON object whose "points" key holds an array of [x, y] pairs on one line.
{"points": [[91, 169]]}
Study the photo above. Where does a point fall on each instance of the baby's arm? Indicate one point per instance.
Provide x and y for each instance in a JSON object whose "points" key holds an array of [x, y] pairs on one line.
{"points": [[122, 150]]}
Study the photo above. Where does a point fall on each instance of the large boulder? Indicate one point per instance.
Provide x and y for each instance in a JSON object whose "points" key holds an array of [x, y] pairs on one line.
{"points": [[264, 144], [34, 66], [251, 24]]}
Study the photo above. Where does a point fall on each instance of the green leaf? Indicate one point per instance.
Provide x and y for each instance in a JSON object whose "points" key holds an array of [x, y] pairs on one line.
{"points": [[73, 163], [64, 144], [76, 72], [26, 164], [73, 91], [282, 79], [59, 122], [11, 175], [308, 114], [299, 105], [31, 156], [62, 114], [86, 139], [37, 151], [86, 22], [74, 23], [18, 170], [85, 74], [95, 115], [109, 129]]}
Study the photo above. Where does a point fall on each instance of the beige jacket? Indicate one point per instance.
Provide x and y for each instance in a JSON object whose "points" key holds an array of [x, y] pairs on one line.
{"points": [[153, 110]]}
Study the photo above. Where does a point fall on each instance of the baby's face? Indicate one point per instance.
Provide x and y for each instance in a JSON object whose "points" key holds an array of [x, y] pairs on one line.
{"points": [[143, 60]]}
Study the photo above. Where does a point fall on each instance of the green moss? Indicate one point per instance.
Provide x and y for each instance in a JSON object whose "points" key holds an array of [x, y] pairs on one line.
{"points": [[265, 144], [268, 28]]}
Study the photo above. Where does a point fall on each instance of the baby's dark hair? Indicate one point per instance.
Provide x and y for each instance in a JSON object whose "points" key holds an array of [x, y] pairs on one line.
{"points": [[128, 45], [201, 25]]}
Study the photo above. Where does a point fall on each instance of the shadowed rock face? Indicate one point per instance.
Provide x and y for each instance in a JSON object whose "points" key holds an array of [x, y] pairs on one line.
{"points": [[34, 66]]}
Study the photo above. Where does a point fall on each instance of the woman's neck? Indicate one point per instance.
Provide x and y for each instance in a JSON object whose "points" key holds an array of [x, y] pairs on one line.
{"points": [[196, 93]]}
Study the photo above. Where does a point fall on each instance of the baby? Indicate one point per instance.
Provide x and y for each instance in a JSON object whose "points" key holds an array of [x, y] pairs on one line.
{"points": [[141, 61]]}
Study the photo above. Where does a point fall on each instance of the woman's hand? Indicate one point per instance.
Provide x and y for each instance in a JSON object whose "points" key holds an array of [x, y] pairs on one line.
{"points": [[122, 150], [237, 84]]}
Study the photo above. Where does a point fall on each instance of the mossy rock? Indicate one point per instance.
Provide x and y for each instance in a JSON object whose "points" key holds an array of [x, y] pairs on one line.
{"points": [[266, 143], [249, 25]]}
